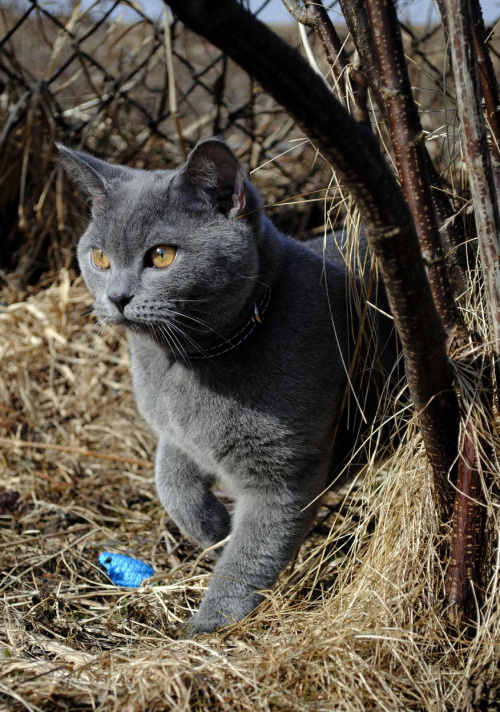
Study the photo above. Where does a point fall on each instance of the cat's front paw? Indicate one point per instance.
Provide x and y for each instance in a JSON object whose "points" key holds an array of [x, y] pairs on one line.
{"points": [[219, 611], [206, 623]]}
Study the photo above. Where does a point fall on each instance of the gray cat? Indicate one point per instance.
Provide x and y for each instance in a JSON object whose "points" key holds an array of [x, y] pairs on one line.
{"points": [[241, 342]]}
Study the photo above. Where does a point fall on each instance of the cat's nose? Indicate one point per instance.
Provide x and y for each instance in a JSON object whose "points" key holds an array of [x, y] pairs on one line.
{"points": [[120, 299]]}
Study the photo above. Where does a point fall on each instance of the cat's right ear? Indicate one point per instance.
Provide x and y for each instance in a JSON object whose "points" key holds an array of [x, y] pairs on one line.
{"points": [[213, 176], [94, 176]]}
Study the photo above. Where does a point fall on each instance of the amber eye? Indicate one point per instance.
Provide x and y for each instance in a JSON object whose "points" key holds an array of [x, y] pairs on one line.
{"points": [[100, 259], [162, 256]]}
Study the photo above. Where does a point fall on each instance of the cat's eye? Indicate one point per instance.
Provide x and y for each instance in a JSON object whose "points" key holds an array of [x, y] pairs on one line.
{"points": [[100, 259], [162, 256]]}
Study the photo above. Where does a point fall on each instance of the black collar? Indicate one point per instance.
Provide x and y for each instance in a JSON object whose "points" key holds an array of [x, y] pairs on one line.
{"points": [[238, 335]]}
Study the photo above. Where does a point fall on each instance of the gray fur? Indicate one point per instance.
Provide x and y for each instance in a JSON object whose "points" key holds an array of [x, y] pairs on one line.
{"points": [[259, 417]]}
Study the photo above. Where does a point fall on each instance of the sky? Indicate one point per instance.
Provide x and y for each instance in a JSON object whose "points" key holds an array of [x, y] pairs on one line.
{"points": [[421, 11], [414, 10]]}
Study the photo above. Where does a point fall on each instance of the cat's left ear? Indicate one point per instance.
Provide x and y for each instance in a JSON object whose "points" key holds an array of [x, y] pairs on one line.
{"points": [[94, 176], [213, 176]]}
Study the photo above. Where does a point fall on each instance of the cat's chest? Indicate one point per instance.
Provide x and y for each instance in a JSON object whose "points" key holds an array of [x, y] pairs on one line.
{"points": [[181, 405], [168, 396]]}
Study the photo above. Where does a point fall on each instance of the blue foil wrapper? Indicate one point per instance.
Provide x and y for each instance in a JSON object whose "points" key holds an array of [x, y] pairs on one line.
{"points": [[125, 570]]}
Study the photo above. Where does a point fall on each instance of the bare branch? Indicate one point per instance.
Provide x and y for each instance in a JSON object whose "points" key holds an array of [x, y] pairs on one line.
{"points": [[489, 86], [451, 231], [408, 141], [334, 50], [352, 149], [465, 69]]}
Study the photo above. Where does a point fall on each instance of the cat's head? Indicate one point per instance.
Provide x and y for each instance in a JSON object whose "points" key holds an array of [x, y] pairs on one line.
{"points": [[167, 251]]}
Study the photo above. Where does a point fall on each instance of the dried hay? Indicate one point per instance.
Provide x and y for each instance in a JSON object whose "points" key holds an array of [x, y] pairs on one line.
{"points": [[355, 624]]}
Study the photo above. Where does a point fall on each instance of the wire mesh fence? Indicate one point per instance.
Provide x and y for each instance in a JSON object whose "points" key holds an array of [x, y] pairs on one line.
{"points": [[129, 86]]}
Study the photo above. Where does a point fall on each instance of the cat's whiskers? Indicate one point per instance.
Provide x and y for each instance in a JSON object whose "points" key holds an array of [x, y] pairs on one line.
{"points": [[208, 328], [99, 323], [168, 327], [78, 215], [86, 202], [254, 278], [180, 352], [186, 338], [74, 322], [155, 336], [165, 328]]}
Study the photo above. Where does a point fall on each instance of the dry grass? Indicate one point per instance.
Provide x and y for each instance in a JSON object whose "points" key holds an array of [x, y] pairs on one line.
{"points": [[355, 624]]}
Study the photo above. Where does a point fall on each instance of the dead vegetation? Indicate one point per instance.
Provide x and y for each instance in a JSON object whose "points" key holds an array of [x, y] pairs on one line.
{"points": [[356, 623]]}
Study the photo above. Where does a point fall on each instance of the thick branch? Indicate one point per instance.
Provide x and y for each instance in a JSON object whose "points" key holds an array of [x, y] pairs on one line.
{"points": [[489, 85], [354, 153], [451, 231], [458, 21], [468, 532], [408, 141]]}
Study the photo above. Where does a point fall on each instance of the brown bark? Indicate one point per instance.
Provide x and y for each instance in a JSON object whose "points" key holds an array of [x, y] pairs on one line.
{"points": [[458, 21], [313, 14], [470, 547], [468, 533], [489, 85], [451, 232], [354, 153], [408, 142]]}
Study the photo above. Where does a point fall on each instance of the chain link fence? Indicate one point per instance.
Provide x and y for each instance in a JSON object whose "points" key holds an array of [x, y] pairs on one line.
{"points": [[130, 84], [133, 87]]}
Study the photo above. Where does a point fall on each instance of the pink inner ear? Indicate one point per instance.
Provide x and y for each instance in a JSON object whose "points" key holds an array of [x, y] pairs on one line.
{"points": [[239, 200], [97, 200]]}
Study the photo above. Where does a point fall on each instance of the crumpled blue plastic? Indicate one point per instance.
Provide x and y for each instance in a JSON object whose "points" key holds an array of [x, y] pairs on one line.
{"points": [[125, 570]]}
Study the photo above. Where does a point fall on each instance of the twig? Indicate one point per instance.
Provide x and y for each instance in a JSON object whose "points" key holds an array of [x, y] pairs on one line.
{"points": [[17, 414], [172, 93], [75, 450], [465, 69], [453, 235], [354, 153], [489, 86], [408, 141], [314, 15]]}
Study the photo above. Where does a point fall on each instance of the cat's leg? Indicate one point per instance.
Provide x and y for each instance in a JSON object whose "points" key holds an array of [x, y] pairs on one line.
{"points": [[268, 527], [184, 491]]}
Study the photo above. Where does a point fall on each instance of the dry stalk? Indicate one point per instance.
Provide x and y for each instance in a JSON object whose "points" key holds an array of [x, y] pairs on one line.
{"points": [[451, 230], [83, 451], [489, 86], [478, 161], [408, 141]]}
